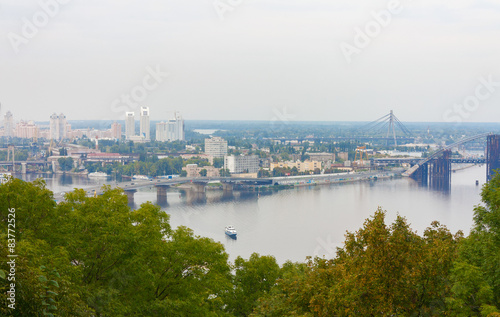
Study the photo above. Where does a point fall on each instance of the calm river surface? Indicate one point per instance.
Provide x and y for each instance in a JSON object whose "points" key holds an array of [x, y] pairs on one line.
{"points": [[308, 221]]}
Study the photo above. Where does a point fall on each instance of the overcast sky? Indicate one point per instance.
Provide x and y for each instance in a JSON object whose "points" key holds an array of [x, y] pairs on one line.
{"points": [[252, 59]]}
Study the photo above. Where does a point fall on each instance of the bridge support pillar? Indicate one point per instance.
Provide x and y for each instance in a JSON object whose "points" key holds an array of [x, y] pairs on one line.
{"points": [[10, 151], [130, 195], [23, 168], [227, 191], [227, 187], [161, 194], [197, 193], [441, 172], [492, 155], [421, 175], [198, 187]]}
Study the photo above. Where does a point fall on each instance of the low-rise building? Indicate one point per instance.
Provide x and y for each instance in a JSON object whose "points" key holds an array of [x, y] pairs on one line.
{"points": [[322, 157], [343, 156], [301, 166], [193, 170]]}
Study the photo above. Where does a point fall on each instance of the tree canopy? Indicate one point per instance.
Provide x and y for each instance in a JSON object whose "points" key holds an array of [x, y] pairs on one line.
{"points": [[94, 256]]}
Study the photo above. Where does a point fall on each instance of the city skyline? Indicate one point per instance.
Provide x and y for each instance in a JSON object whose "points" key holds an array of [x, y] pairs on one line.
{"points": [[273, 61]]}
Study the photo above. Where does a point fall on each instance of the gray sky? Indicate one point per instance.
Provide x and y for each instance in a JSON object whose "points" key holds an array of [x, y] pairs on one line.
{"points": [[427, 60]]}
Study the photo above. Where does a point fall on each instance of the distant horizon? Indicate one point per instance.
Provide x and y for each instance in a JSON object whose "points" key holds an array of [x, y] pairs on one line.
{"points": [[270, 60], [280, 123]]}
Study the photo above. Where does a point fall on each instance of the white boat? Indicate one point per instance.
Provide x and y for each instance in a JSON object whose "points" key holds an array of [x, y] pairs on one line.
{"points": [[144, 177], [4, 177], [98, 174], [231, 232]]}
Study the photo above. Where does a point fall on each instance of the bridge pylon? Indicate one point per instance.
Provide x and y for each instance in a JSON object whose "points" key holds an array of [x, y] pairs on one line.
{"points": [[11, 151], [440, 176], [492, 155]]}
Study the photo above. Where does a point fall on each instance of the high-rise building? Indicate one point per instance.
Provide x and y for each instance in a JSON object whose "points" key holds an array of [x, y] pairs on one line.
{"points": [[129, 124], [216, 147], [161, 131], [54, 127], [26, 130], [242, 164], [8, 124], [172, 130], [116, 130], [179, 127], [59, 127], [62, 127], [144, 123]]}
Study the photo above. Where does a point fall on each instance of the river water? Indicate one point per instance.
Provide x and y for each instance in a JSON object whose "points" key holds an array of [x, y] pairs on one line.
{"points": [[308, 221]]}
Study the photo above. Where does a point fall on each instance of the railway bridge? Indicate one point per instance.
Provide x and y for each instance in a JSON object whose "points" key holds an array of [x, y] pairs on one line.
{"points": [[435, 170]]}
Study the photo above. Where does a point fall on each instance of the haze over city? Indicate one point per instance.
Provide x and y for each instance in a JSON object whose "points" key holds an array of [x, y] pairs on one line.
{"points": [[309, 60]]}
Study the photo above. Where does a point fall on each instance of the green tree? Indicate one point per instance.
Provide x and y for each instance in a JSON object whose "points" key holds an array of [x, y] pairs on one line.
{"points": [[381, 271], [224, 172], [203, 172], [476, 277], [65, 163], [35, 214], [218, 162], [253, 279], [193, 278], [263, 173]]}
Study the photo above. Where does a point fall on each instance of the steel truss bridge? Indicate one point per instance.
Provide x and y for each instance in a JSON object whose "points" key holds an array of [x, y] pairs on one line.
{"points": [[414, 161], [436, 169]]}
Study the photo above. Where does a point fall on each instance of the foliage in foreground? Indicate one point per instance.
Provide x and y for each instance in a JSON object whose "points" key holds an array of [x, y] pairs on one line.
{"points": [[95, 257]]}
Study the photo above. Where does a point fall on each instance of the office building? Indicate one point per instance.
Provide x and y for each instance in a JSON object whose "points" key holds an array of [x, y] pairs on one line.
{"points": [[241, 164], [129, 124], [144, 123], [216, 147]]}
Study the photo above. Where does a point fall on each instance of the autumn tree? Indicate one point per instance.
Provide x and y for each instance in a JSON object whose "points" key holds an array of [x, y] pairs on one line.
{"points": [[381, 271]]}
